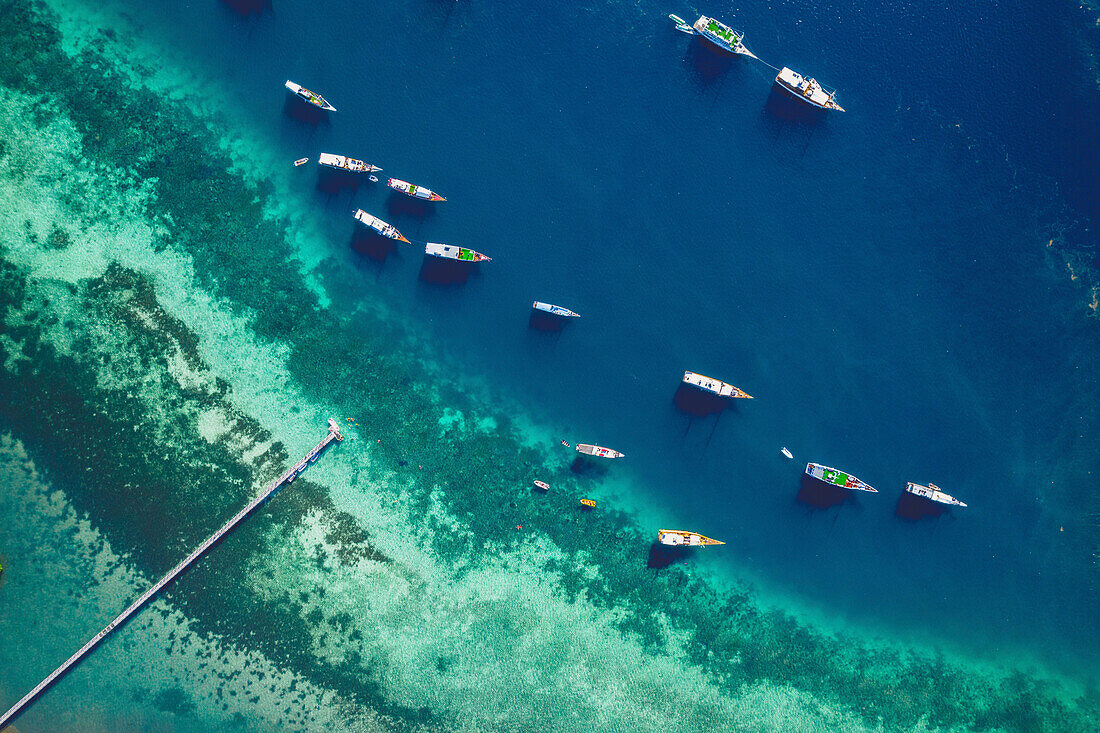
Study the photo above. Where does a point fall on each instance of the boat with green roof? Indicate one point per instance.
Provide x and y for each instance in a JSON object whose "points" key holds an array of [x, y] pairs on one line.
{"points": [[717, 33], [834, 477]]}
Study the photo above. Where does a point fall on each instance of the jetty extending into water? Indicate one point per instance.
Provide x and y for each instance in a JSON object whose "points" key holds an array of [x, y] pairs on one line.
{"points": [[286, 478]]}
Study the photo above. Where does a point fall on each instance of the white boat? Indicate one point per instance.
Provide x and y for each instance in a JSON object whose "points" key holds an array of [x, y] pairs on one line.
{"points": [[300, 161], [344, 163], [837, 478], [721, 35], [309, 97], [386, 230], [411, 189], [807, 89], [932, 493], [786, 453], [598, 450], [681, 24], [555, 310], [715, 386], [680, 538], [448, 252]]}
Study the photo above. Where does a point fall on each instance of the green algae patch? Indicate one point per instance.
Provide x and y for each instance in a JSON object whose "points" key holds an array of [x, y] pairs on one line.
{"points": [[115, 396]]}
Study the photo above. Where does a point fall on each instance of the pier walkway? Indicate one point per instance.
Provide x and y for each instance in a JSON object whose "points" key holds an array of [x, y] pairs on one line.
{"points": [[290, 475]]}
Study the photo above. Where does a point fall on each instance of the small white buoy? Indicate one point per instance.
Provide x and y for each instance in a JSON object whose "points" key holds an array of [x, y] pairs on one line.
{"points": [[787, 453]]}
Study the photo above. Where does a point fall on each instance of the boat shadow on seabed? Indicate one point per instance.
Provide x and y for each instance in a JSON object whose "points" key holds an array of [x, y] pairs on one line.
{"points": [[661, 556], [332, 180], [372, 245], [708, 63], [398, 204], [245, 8], [698, 403], [781, 106], [821, 495], [914, 508], [441, 271], [297, 109]]}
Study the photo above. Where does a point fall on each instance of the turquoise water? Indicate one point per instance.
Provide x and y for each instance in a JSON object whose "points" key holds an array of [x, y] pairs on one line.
{"points": [[906, 289]]}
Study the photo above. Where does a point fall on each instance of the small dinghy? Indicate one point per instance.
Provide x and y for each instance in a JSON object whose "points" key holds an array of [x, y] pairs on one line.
{"points": [[301, 161], [588, 503], [542, 485], [786, 453], [681, 24]]}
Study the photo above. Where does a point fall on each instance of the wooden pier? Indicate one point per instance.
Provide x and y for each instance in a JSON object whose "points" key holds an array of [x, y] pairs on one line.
{"points": [[290, 475]]}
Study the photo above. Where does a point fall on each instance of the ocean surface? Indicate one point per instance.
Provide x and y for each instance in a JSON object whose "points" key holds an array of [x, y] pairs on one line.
{"points": [[908, 289]]}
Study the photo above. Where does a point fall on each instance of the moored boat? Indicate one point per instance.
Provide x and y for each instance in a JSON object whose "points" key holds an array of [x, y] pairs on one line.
{"points": [[300, 161], [309, 97], [373, 222], [681, 24], [344, 163], [680, 538], [715, 386], [932, 493], [721, 36], [786, 453], [588, 503], [807, 89], [833, 477], [542, 485], [598, 450], [411, 189], [555, 310], [449, 252]]}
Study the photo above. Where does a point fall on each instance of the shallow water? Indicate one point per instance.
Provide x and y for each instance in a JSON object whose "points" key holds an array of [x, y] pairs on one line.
{"points": [[879, 280]]}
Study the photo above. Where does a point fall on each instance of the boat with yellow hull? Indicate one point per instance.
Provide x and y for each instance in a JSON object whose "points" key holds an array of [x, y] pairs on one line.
{"points": [[682, 538]]}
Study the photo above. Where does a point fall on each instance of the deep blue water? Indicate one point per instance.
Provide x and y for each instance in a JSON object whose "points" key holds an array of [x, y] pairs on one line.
{"points": [[878, 280]]}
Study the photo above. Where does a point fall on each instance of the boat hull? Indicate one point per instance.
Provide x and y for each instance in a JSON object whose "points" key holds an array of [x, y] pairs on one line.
{"points": [[598, 451]]}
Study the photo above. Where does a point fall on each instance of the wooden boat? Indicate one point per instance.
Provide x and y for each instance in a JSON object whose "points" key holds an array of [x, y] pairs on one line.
{"points": [[714, 386], [386, 230], [932, 493], [680, 538], [411, 189], [301, 161], [834, 477], [309, 97], [554, 310], [448, 252], [344, 163], [721, 36], [806, 89], [543, 485], [588, 503], [598, 451]]}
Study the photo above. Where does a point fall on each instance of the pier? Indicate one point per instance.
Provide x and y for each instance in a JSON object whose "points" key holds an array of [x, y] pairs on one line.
{"points": [[286, 478]]}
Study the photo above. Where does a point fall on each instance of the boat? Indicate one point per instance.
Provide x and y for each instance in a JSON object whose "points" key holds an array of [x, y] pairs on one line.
{"points": [[301, 161], [932, 493], [588, 503], [309, 97], [681, 24], [807, 89], [714, 386], [411, 189], [837, 478], [448, 252], [344, 163], [555, 310], [566, 444], [786, 453], [680, 538], [598, 451], [543, 485], [386, 230], [721, 35]]}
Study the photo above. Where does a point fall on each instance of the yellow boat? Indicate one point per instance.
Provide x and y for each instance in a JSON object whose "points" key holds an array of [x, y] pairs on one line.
{"points": [[680, 538], [588, 503]]}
